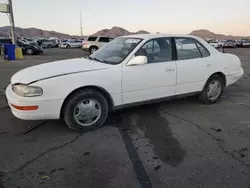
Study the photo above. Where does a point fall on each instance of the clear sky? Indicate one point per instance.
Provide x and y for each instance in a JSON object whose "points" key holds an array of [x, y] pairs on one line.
{"points": [[165, 16]]}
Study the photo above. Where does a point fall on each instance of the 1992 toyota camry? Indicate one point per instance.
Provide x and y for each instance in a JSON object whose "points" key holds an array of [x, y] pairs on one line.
{"points": [[127, 71]]}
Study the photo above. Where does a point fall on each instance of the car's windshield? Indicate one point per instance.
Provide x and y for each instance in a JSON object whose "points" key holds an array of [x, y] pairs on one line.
{"points": [[115, 51]]}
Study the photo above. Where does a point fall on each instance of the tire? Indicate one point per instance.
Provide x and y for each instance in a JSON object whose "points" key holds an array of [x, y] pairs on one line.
{"points": [[79, 98], [92, 49], [49, 46], [205, 96], [68, 46], [29, 51]]}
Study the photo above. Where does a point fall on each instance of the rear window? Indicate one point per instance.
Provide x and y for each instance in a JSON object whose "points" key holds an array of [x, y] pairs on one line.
{"points": [[104, 39], [92, 38]]}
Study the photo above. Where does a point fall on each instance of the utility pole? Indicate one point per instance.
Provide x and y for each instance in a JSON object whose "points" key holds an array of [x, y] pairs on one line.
{"points": [[12, 23], [81, 22]]}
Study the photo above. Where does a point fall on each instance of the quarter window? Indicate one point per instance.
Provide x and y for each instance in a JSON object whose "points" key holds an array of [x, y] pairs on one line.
{"points": [[186, 49], [203, 50], [157, 50], [104, 39]]}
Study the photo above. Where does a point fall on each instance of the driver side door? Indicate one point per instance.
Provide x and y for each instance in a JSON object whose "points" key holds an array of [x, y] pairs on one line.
{"points": [[154, 80]]}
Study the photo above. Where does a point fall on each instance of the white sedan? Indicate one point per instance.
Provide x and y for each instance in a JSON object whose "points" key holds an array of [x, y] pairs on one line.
{"points": [[71, 44], [215, 44], [130, 70]]}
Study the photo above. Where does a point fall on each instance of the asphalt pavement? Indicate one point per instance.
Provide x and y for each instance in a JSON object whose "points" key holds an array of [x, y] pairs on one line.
{"points": [[179, 143]]}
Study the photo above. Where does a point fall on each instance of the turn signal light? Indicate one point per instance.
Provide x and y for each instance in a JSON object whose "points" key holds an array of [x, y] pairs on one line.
{"points": [[27, 108]]}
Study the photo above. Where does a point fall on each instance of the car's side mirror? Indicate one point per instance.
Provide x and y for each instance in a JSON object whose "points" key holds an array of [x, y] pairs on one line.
{"points": [[138, 60]]}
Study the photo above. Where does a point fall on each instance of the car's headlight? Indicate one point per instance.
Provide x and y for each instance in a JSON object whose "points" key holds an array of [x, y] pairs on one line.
{"points": [[27, 91]]}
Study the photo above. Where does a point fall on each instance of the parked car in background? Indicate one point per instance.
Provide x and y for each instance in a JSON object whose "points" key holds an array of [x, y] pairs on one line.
{"points": [[29, 49], [62, 42], [214, 43], [246, 43], [239, 43], [222, 43], [5, 40], [93, 43], [71, 44], [230, 44], [127, 71], [49, 43]]}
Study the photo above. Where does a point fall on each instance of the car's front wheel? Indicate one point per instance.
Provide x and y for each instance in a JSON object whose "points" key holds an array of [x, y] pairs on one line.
{"points": [[213, 90], [29, 51], [92, 49], [86, 110]]}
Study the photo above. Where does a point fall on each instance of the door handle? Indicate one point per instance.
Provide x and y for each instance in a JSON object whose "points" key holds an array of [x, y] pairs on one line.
{"points": [[209, 65], [169, 69]]}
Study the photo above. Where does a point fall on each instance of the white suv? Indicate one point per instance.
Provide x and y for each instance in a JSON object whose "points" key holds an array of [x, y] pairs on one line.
{"points": [[93, 43]]}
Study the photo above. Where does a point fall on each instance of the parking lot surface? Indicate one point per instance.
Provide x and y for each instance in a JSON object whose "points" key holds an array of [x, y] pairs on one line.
{"points": [[180, 143]]}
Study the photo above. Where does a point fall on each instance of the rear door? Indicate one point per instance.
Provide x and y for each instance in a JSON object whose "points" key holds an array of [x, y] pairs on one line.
{"points": [[194, 65]]}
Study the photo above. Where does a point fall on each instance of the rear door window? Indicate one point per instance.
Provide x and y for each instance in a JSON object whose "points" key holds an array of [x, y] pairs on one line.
{"points": [[92, 38], [203, 50], [187, 49], [103, 39]]}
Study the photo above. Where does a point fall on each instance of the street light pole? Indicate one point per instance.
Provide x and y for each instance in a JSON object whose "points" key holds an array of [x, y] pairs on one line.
{"points": [[81, 22], [12, 23]]}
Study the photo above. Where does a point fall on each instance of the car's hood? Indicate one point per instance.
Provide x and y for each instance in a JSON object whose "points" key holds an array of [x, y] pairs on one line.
{"points": [[56, 68]]}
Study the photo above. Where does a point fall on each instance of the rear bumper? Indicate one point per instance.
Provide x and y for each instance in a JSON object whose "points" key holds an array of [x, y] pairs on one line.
{"points": [[234, 77]]}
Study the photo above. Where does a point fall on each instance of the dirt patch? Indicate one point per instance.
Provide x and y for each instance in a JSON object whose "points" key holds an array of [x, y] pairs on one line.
{"points": [[147, 121]]}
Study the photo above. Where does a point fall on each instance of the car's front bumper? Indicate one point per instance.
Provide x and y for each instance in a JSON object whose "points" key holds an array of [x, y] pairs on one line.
{"points": [[38, 51], [47, 109]]}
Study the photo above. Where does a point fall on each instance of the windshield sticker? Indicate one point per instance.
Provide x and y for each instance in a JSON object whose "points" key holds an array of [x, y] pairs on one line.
{"points": [[132, 40]]}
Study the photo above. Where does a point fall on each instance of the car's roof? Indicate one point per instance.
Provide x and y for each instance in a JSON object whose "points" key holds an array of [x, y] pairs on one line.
{"points": [[100, 36], [150, 36]]}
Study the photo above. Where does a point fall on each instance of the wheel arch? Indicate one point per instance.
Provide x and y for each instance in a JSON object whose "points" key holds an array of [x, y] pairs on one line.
{"points": [[221, 74], [103, 91], [93, 46]]}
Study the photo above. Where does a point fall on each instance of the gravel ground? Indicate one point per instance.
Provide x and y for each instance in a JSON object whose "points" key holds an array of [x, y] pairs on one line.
{"points": [[180, 143]]}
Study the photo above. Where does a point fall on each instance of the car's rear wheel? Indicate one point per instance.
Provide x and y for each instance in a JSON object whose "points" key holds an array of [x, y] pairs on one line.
{"points": [[213, 90], [92, 49], [86, 110], [29, 51], [49, 46]]}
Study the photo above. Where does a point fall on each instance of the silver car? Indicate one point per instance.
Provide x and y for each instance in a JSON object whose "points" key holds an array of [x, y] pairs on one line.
{"points": [[230, 44]]}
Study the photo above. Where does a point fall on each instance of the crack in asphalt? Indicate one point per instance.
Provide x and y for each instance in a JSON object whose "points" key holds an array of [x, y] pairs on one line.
{"points": [[245, 106], [34, 127], [45, 152], [212, 136]]}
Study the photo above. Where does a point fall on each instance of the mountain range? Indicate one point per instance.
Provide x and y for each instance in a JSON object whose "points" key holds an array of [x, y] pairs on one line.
{"points": [[114, 32], [117, 32]]}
